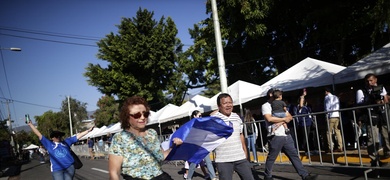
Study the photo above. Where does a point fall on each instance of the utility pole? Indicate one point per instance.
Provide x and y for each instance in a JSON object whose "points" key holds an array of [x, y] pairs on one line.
{"points": [[9, 124], [218, 42], [70, 118]]}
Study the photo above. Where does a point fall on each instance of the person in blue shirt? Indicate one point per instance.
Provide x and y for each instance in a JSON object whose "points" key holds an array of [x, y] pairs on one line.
{"points": [[59, 151], [90, 147], [109, 139]]}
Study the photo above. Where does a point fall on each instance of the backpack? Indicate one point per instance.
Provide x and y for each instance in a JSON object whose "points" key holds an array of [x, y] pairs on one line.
{"points": [[371, 98], [249, 128]]}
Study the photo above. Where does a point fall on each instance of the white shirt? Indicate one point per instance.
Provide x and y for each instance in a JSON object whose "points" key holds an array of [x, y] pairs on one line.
{"points": [[267, 109], [231, 150], [332, 103]]}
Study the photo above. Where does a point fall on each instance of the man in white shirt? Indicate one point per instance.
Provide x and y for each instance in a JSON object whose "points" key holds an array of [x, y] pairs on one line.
{"points": [[280, 141], [377, 123], [332, 105], [231, 155]]}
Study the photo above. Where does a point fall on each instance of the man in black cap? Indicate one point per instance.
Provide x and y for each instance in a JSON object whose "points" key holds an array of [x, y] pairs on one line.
{"points": [[57, 134], [61, 159], [280, 140]]}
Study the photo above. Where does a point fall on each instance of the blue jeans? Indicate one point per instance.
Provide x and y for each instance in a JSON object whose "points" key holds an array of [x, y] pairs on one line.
{"points": [[251, 145], [65, 174], [285, 144], [209, 165]]}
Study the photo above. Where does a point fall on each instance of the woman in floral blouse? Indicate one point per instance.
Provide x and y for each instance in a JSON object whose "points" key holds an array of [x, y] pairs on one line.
{"points": [[135, 152]]}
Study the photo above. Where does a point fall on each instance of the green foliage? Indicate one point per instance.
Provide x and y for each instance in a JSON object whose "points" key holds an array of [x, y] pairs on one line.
{"points": [[78, 112], [263, 38], [52, 121], [4, 132], [60, 120], [108, 111], [24, 137], [142, 60]]}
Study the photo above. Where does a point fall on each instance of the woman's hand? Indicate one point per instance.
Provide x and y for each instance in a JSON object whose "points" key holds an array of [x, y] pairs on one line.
{"points": [[177, 141]]}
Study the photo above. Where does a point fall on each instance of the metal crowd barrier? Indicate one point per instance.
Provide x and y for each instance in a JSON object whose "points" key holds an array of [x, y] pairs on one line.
{"points": [[352, 155], [355, 157]]}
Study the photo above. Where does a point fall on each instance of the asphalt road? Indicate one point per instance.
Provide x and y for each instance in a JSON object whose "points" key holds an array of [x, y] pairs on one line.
{"points": [[98, 170]]}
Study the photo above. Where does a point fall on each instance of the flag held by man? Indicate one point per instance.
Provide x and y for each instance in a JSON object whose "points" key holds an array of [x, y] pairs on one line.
{"points": [[200, 136]]}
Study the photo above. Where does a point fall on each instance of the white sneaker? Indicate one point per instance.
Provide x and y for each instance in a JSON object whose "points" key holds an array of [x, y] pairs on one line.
{"points": [[185, 176]]}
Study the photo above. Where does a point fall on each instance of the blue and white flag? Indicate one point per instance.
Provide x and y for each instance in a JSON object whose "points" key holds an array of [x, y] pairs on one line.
{"points": [[200, 136]]}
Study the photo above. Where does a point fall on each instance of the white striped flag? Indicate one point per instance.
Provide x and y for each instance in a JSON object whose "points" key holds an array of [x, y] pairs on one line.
{"points": [[200, 136]]}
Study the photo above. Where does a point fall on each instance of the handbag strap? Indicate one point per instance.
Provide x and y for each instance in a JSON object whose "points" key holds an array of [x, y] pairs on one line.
{"points": [[143, 147]]}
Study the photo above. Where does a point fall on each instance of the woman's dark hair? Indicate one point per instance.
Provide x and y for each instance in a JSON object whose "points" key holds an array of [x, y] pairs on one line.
{"points": [[125, 110], [194, 113], [248, 116]]}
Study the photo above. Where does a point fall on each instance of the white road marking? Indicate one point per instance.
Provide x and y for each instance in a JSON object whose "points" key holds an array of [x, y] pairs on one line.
{"points": [[101, 170]]}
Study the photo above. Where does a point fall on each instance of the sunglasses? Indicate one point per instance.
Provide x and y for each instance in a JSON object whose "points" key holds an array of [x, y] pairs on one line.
{"points": [[139, 114]]}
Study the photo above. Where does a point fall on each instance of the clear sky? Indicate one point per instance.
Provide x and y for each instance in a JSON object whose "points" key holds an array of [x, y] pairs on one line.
{"points": [[50, 67]]}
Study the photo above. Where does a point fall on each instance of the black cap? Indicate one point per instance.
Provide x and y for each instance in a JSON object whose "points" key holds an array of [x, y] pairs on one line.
{"points": [[56, 134]]}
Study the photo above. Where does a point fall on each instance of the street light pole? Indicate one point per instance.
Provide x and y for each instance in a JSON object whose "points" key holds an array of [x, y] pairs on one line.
{"points": [[218, 42], [11, 49], [70, 118], [9, 121]]}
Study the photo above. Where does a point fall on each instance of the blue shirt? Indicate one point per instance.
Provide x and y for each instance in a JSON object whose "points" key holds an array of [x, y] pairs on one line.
{"points": [[60, 157], [90, 143]]}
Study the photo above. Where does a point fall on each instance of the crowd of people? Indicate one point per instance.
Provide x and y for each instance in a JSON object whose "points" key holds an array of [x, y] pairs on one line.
{"points": [[136, 151]]}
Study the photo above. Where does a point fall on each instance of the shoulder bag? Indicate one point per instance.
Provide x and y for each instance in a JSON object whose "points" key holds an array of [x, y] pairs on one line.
{"points": [[77, 162]]}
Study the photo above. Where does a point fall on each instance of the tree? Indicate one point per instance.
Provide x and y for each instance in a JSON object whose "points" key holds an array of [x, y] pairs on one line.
{"points": [[23, 138], [60, 120], [241, 25], [108, 112], [264, 38], [50, 121], [78, 111], [142, 60]]}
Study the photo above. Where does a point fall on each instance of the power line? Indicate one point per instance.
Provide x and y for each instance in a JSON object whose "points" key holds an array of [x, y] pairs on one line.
{"points": [[54, 34], [33, 104], [47, 40]]}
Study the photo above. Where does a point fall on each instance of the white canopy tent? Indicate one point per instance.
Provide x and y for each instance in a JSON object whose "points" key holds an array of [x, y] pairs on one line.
{"points": [[307, 73], [97, 133], [163, 113], [197, 102], [377, 62], [241, 92], [95, 129], [114, 129], [31, 146]]}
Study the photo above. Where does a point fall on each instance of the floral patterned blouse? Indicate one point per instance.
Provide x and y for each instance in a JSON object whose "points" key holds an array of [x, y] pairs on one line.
{"points": [[142, 156]]}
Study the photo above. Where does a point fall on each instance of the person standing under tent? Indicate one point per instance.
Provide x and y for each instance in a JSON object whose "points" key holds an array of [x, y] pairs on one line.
{"points": [[332, 104], [251, 129], [372, 94]]}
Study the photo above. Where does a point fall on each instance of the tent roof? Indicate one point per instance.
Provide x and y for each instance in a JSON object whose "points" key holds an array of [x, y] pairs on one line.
{"points": [[113, 129], [377, 63], [31, 146], [98, 133], [163, 113], [307, 73], [197, 102], [241, 92]]}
